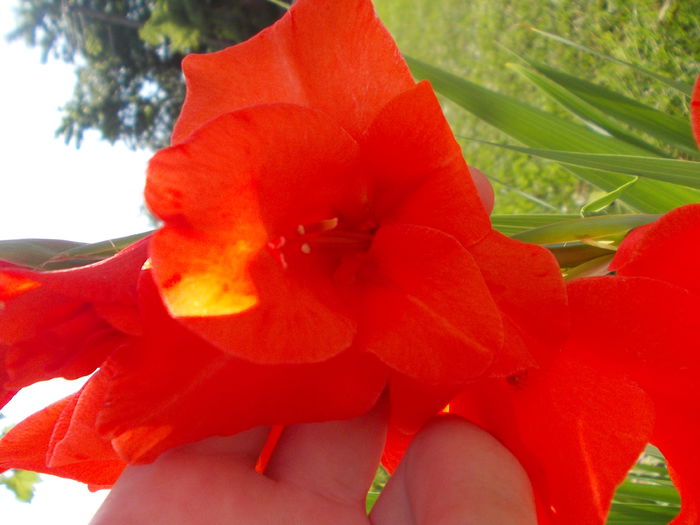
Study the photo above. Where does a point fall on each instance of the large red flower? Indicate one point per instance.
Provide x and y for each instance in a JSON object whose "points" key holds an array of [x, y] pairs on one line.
{"points": [[323, 241], [316, 204]]}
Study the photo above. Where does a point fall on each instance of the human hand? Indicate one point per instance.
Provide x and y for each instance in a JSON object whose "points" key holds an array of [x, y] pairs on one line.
{"points": [[453, 473]]}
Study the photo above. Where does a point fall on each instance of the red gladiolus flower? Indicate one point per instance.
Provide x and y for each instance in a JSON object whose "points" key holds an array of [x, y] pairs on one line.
{"points": [[301, 225], [64, 323], [323, 241]]}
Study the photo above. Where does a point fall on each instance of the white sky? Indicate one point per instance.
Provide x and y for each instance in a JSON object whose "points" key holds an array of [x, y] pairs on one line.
{"points": [[50, 190]]}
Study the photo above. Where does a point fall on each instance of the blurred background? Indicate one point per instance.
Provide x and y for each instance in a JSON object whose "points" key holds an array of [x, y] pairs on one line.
{"points": [[92, 88]]}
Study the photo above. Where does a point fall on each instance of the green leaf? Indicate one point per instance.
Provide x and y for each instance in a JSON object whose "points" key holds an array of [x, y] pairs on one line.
{"points": [[596, 103], [372, 498], [647, 496], [586, 228], [682, 87], [34, 252], [540, 129], [570, 254], [591, 115], [675, 171], [512, 224], [381, 477], [644, 491], [523, 194], [280, 3], [91, 253], [597, 266], [606, 200]]}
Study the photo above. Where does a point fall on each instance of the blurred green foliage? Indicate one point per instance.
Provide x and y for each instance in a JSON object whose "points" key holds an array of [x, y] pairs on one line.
{"points": [[21, 482], [472, 38]]}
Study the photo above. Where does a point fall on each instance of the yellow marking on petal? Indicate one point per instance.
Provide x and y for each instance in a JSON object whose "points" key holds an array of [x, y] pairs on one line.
{"points": [[14, 285], [208, 295]]}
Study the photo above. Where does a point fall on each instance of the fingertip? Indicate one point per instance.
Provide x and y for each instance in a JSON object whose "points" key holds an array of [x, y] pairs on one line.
{"points": [[455, 473]]}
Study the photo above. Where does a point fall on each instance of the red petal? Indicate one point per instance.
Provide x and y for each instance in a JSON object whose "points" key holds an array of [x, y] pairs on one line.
{"points": [[644, 327], [27, 444], [667, 249], [418, 169], [71, 349], [427, 312], [13, 283], [59, 328], [334, 56], [241, 182], [5, 393], [527, 286], [695, 111], [75, 439], [173, 388], [658, 348], [576, 427], [414, 403], [676, 434]]}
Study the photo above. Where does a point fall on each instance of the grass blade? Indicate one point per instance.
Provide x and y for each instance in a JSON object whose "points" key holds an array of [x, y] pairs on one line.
{"points": [[681, 87], [675, 171], [596, 103]]}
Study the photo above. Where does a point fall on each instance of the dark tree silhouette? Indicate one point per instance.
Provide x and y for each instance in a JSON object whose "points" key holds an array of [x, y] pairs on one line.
{"points": [[127, 55]]}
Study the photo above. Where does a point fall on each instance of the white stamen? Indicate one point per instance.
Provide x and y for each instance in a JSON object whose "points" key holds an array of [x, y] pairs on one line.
{"points": [[278, 244], [283, 261], [301, 230], [305, 248]]}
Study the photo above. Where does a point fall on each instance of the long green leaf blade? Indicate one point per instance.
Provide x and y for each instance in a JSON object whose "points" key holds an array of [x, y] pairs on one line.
{"points": [[512, 224], [584, 228], [683, 172], [582, 108], [595, 103], [540, 129], [33, 252], [682, 87]]}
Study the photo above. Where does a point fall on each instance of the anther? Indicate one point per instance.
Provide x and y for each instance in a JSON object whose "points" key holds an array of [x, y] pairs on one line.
{"points": [[276, 245], [305, 248]]}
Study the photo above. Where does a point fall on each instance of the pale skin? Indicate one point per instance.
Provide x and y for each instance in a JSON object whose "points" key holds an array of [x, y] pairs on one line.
{"points": [[453, 473]]}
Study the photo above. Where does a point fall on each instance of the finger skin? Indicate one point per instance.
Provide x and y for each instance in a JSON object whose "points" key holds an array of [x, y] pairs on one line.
{"points": [[455, 473], [188, 485], [336, 459]]}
